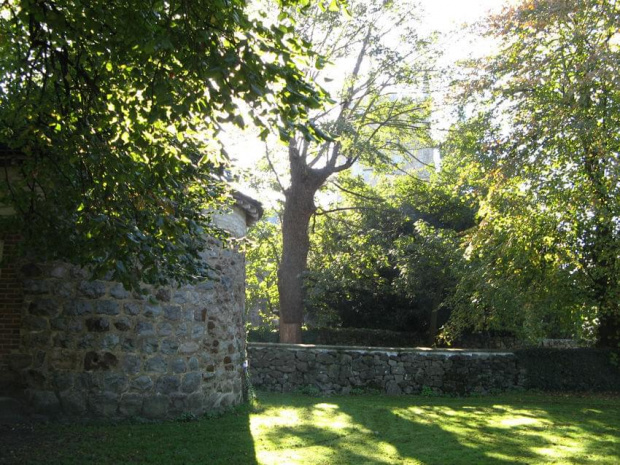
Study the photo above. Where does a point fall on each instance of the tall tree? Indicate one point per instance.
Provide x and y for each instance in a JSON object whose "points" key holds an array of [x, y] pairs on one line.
{"points": [[378, 111], [555, 90], [114, 107]]}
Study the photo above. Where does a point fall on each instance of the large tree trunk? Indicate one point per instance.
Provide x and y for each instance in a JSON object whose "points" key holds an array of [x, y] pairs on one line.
{"points": [[298, 210]]}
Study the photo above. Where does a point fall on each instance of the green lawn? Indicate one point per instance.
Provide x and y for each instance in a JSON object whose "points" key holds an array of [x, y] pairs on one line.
{"points": [[296, 429]]}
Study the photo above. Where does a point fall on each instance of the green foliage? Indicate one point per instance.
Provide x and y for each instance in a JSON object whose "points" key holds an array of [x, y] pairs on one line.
{"points": [[114, 107], [263, 254], [187, 417], [309, 390], [428, 391], [388, 259], [545, 257], [363, 337]]}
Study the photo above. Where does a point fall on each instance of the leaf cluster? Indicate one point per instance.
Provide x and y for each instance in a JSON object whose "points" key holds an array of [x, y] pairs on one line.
{"points": [[110, 110]]}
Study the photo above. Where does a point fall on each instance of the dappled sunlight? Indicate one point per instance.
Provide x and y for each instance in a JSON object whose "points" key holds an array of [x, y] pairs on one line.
{"points": [[322, 431], [415, 430], [518, 421], [536, 435]]}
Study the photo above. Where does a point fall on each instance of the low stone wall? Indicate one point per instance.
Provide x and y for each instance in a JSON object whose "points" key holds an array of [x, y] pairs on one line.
{"points": [[332, 369]]}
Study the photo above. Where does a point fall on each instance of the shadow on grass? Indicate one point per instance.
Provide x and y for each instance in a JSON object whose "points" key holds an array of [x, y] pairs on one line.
{"points": [[376, 429], [223, 440]]}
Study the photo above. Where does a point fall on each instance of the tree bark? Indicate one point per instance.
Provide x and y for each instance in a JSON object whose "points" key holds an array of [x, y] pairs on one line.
{"points": [[298, 210]]}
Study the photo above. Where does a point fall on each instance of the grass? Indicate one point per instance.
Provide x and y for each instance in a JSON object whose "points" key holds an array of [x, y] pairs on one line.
{"points": [[374, 429]]}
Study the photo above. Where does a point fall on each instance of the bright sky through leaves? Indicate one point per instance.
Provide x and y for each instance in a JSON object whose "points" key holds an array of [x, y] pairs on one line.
{"points": [[445, 16]]}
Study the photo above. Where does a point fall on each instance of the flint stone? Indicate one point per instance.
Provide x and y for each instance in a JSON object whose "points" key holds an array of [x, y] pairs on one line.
{"points": [[92, 289], [63, 380], [107, 307], [104, 404], [36, 286], [128, 345], [156, 364], [178, 366], [168, 384], [114, 382], [144, 328], [164, 329], [155, 407], [87, 341], [35, 323], [79, 308], [188, 347], [169, 346], [110, 341], [172, 312], [103, 361], [73, 402], [163, 295], [45, 402], [44, 307], [122, 324], [64, 360], [97, 325], [130, 405], [191, 382], [118, 291], [131, 363], [142, 383], [132, 308], [64, 289], [152, 311], [60, 271], [150, 345]]}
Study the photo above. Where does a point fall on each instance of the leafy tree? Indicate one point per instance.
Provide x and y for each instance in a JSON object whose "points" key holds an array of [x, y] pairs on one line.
{"points": [[390, 259], [377, 112], [114, 109], [262, 259], [551, 211]]}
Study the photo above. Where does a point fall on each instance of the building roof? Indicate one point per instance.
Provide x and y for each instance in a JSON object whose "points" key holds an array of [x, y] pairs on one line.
{"points": [[252, 208]]}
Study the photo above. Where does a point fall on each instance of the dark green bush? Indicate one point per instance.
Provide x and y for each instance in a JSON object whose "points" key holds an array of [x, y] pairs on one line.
{"points": [[570, 369], [345, 337]]}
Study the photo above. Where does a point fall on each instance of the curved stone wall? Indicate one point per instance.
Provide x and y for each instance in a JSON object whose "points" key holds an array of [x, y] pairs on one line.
{"points": [[91, 348]]}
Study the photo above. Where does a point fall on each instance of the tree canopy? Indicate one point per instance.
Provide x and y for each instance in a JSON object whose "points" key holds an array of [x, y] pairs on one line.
{"points": [[550, 211], [113, 109]]}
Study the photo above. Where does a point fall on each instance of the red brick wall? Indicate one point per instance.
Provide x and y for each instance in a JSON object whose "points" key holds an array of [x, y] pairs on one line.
{"points": [[11, 299]]}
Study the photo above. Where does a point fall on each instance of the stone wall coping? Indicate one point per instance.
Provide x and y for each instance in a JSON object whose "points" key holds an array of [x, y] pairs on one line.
{"points": [[383, 350], [251, 207]]}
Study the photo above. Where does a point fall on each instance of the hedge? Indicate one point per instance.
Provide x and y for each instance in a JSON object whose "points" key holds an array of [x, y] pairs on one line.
{"points": [[564, 370]]}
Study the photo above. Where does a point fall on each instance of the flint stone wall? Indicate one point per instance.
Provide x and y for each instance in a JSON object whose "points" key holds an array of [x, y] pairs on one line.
{"points": [[332, 369], [93, 349]]}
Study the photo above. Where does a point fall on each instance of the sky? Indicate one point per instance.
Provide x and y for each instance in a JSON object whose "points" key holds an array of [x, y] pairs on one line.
{"points": [[445, 14]]}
